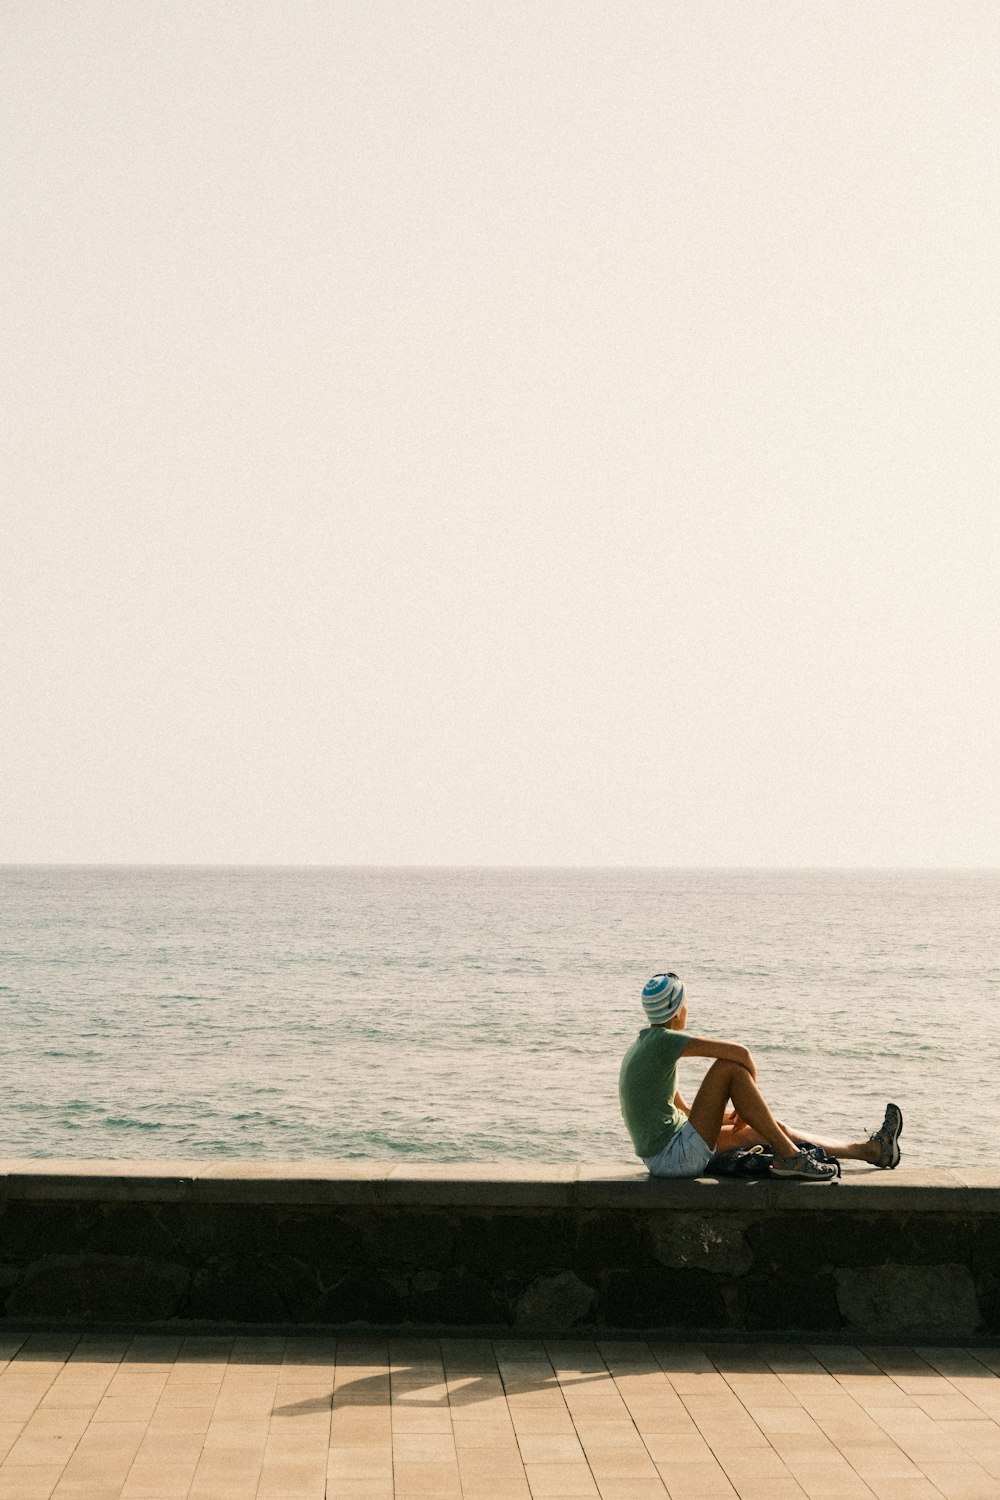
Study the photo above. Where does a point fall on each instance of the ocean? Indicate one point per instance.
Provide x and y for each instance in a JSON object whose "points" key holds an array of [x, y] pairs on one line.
{"points": [[458, 1015]]}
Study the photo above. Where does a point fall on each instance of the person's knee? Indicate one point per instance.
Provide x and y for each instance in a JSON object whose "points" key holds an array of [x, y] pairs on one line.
{"points": [[724, 1067]]}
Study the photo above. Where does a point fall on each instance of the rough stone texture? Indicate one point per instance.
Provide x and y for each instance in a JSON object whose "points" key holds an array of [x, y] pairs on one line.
{"points": [[786, 1304], [560, 1301], [99, 1286], [902, 1299], [649, 1297], [709, 1244], [562, 1248]]}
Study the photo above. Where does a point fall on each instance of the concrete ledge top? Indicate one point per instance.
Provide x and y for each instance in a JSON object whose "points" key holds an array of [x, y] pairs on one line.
{"points": [[499, 1185]]}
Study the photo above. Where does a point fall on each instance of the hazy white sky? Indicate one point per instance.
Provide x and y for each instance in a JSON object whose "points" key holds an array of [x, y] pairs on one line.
{"points": [[550, 432]]}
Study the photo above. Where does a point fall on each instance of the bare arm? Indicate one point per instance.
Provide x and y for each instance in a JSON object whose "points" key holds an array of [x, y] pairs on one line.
{"points": [[679, 1102], [706, 1046]]}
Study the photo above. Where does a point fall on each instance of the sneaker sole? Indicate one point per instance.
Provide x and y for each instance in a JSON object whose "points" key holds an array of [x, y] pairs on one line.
{"points": [[806, 1176], [893, 1125]]}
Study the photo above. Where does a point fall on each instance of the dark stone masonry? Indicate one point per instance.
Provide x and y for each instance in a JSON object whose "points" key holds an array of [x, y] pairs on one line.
{"points": [[517, 1248]]}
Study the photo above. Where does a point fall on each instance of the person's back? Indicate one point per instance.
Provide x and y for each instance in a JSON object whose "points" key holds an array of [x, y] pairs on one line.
{"points": [[647, 1083]]}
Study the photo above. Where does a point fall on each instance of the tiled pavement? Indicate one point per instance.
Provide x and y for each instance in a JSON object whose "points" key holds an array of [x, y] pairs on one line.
{"points": [[207, 1418]]}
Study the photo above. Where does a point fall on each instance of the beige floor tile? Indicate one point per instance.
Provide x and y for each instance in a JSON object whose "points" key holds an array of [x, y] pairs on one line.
{"points": [[36, 1452], [488, 1487], [9, 1434], [503, 1463], [889, 1462], [223, 1489], [288, 1480], [962, 1481], [426, 1479], [125, 1409], [784, 1419], [546, 1449], [18, 1407], [735, 1435], [621, 1430], [179, 1422], [185, 1393], [904, 1489], [158, 1481], [196, 1374], [78, 1387], [881, 1390], [103, 1470], [58, 1421], [243, 1411], [357, 1463], [778, 1394], [417, 1420], [696, 1481], [135, 1385], [750, 1463], [29, 1483], [831, 1481], [246, 1434], [112, 1438], [930, 1447], [863, 1432], [360, 1419], [286, 1442], [632, 1489], [423, 1447], [24, 1373], [76, 1396], [560, 1479], [74, 1489], [989, 1458], [535, 1401], [621, 1463], [677, 1447], [369, 1437], [950, 1406], [785, 1488], [641, 1404], [172, 1447], [548, 1424], [668, 1427], [357, 1489], [310, 1416], [228, 1465], [492, 1434]]}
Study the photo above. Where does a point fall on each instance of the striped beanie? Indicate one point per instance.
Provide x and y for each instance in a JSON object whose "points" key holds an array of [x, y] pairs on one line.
{"points": [[662, 998]]}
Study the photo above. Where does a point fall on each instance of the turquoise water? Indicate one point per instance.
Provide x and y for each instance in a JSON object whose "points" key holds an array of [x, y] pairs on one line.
{"points": [[461, 1015]]}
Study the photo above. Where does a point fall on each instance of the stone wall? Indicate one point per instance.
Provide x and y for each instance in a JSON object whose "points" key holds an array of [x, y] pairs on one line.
{"points": [[517, 1248]]}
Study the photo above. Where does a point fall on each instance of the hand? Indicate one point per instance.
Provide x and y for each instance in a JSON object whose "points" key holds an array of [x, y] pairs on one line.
{"points": [[733, 1120]]}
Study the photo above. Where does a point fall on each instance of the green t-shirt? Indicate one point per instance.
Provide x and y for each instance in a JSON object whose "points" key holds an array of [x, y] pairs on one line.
{"points": [[646, 1087]]}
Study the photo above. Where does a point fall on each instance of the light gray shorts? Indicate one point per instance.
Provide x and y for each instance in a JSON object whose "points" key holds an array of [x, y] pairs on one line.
{"points": [[684, 1155]]}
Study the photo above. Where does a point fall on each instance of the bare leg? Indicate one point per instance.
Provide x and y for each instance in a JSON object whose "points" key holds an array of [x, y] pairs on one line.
{"points": [[849, 1150], [728, 1080], [744, 1135]]}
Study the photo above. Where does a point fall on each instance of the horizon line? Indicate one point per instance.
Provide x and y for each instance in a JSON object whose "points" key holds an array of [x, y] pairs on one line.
{"points": [[376, 865]]}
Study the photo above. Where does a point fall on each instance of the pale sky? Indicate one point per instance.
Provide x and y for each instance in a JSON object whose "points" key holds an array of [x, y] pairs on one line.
{"points": [[559, 432]]}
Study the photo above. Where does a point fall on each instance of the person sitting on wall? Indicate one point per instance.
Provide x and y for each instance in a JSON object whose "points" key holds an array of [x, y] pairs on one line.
{"points": [[676, 1141]]}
